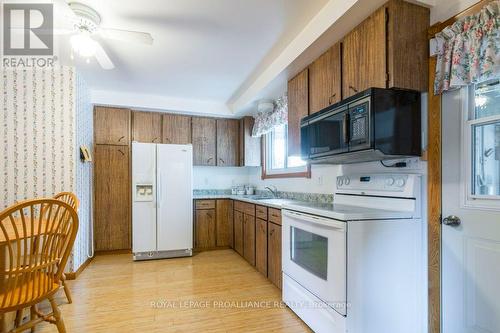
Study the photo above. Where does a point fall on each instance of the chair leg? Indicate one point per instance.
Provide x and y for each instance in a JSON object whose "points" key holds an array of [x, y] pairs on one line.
{"points": [[57, 315], [66, 289], [32, 316], [19, 318]]}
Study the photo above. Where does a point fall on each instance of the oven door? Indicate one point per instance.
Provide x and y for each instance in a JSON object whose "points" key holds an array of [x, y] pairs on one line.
{"points": [[326, 134], [314, 255]]}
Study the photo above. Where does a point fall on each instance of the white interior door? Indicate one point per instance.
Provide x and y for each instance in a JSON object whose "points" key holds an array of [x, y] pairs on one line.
{"points": [[471, 210]]}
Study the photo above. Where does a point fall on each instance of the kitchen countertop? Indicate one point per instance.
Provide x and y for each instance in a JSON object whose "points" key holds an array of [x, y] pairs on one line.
{"points": [[267, 201]]}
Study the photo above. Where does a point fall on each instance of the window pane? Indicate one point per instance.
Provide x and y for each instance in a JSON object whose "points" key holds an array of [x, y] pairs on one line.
{"points": [[486, 149], [310, 251], [487, 99], [278, 147], [295, 161]]}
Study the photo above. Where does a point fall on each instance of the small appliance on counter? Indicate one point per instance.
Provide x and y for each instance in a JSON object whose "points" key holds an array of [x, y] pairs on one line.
{"points": [[376, 124]]}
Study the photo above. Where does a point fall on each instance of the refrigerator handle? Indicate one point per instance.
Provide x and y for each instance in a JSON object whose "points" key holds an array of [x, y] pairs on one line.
{"points": [[159, 190]]}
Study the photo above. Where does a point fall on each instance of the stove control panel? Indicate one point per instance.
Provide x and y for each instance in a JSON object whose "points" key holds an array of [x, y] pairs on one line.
{"points": [[377, 183]]}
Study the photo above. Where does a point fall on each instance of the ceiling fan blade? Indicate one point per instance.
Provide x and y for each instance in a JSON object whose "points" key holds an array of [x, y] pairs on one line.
{"points": [[62, 9], [126, 35], [102, 57]]}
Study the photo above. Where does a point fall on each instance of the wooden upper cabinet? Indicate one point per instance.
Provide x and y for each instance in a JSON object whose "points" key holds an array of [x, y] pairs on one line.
{"points": [[112, 222], [249, 146], [388, 49], [298, 107], [146, 127], [364, 56], [408, 58], [111, 126], [204, 141], [227, 142], [325, 86], [176, 129]]}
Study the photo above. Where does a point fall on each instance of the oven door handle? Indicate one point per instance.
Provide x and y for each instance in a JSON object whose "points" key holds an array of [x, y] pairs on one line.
{"points": [[346, 127], [330, 223]]}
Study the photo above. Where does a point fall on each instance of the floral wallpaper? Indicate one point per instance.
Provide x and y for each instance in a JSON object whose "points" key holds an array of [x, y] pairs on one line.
{"points": [[39, 139], [469, 50], [83, 186]]}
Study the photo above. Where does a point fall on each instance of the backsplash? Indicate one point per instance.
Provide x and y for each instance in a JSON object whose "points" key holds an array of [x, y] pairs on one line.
{"points": [[299, 196]]}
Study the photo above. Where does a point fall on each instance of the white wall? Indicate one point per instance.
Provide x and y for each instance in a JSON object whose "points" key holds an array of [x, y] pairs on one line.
{"points": [[219, 178], [445, 9]]}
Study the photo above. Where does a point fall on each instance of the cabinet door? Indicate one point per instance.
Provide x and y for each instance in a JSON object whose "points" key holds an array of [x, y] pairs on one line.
{"points": [[364, 55], [249, 238], [298, 107], [325, 87], [205, 228], [238, 232], [111, 126], [146, 127], [261, 246], [227, 142], [274, 254], [249, 146], [176, 129], [204, 131], [112, 198], [224, 225]]}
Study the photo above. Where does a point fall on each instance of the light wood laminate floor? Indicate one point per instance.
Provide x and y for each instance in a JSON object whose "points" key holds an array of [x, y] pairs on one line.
{"points": [[214, 291]]}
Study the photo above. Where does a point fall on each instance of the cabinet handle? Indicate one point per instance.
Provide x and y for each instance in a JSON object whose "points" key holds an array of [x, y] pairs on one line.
{"points": [[121, 152], [222, 161], [353, 89], [331, 98], [211, 158], [120, 139], [272, 232], [168, 140], [155, 139]]}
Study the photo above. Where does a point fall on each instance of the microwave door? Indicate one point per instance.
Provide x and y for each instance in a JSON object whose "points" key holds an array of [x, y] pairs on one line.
{"points": [[328, 135]]}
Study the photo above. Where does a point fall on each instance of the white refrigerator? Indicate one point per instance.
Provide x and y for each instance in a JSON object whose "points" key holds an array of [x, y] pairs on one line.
{"points": [[162, 200]]}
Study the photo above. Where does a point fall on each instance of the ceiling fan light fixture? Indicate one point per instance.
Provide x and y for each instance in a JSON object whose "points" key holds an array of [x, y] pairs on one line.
{"points": [[83, 45]]}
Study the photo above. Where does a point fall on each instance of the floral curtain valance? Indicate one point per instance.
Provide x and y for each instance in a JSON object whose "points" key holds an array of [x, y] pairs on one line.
{"points": [[266, 121], [469, 50]]}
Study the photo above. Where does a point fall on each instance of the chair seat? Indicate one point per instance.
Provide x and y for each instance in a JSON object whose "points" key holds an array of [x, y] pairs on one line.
{"points": [[26, 293]]}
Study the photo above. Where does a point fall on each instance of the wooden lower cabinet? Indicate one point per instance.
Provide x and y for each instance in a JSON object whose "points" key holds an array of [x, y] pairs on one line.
{"points": [[238, 232], [112, 222], [224, 225], [261, 246], [249, 238], [274, 254], [205, 229]]}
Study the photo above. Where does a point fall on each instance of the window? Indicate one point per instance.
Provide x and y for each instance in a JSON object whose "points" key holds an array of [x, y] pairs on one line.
{"points": [[277, 162], [483, 141]]}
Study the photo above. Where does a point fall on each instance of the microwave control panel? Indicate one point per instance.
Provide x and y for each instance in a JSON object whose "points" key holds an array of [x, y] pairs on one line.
{"points": [[359, 123]]}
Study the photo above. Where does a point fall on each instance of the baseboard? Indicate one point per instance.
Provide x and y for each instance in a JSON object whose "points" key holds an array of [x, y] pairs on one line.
{"points": [[106, 252], [74, 275]]}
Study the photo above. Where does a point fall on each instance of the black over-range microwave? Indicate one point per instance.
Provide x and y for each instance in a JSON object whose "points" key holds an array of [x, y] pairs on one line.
{"points": [[376, 124]]}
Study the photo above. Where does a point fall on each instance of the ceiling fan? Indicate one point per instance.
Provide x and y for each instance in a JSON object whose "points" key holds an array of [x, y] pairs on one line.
{"points": [[83, 22]]}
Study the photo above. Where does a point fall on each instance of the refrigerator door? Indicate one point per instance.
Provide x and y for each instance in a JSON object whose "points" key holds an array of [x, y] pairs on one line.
{"points": [[143, 197], [175, 197]]}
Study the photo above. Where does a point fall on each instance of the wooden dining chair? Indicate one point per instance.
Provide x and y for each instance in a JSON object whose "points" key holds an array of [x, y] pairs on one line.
{"points": [[71, 199], [36, 237]]}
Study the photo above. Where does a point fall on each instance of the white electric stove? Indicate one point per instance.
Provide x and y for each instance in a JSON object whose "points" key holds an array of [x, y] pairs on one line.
{"points": [[358, 265]]}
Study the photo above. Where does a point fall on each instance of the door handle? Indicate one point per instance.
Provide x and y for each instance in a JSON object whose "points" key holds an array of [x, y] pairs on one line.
{"points": [[331, 98], [353, 89], [452, 221]]}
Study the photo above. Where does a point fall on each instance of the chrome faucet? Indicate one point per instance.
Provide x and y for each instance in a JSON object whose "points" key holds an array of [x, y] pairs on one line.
{"points": [[273, 190]]}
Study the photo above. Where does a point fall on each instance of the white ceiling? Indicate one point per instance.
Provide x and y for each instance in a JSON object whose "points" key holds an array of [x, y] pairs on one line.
{"points": [[203, 49]]}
